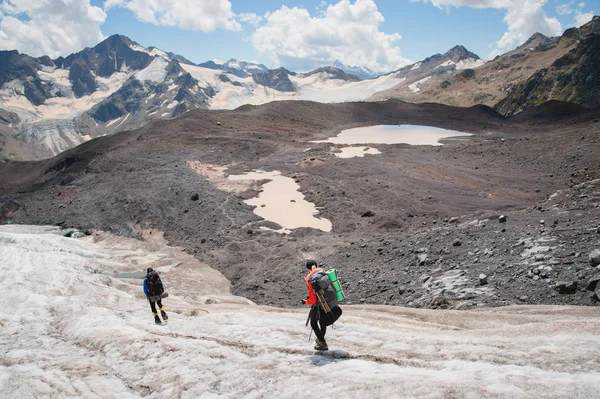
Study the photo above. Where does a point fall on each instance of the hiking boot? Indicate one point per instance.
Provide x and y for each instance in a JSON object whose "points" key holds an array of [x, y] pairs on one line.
{"points": [[157, 319], [164, 315], [321, 345]]}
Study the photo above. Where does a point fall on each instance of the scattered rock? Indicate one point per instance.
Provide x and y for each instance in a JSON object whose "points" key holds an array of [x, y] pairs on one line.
{"points": [[368, 214], [195, 197], [502, 219], [483, 279], [564, 287], [456, 243], [593, 283], [421, 259], [453, 219], [594, 258]]}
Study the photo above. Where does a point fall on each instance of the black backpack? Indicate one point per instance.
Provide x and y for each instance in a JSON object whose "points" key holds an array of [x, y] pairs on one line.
{"points": [[155, 285], [320, 282]]}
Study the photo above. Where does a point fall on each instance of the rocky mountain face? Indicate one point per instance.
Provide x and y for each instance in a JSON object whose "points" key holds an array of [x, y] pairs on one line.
{"points": [[542, 69], [335, 73], [433, 71], [574, 77], [278, 79], [240, 69], [360, 72], [48, 106]]}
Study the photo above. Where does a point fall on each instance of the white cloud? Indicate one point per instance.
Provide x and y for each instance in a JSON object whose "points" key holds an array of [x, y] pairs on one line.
{"points": [[347, 31], [198, 15], [523, 17], [565, 9], [582, 4], [250, 18], [583, 18], [49, 27]]}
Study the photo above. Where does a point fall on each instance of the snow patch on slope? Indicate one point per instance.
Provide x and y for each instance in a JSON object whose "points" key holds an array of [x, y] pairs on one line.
{"points": [[469, 63], [158, 52], [205, 76], [60, 107], [445, 64], [137, 47], [416, 87], [56, 76], [155, 72]]}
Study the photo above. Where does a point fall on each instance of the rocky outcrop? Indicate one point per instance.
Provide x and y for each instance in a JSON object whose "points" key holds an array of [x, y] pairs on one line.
{"points": [[241, 69], [277, 79], [23, 68], [574, 77], [112, 55], [125, 100], [335, 73], [8, 117]]}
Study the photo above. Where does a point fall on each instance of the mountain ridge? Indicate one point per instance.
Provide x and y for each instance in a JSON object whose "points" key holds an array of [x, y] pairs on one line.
{"points": [[49, 105]]}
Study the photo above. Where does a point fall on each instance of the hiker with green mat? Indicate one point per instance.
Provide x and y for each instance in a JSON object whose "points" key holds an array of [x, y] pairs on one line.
{"points": [[323, 300]]}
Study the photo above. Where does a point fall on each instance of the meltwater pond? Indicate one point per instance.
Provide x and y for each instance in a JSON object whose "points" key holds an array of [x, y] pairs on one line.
{"points": [[393, 134], [280, 201]]}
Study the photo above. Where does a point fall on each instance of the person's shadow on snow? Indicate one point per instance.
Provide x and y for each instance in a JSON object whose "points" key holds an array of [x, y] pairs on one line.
{"points": [[328, 357]]}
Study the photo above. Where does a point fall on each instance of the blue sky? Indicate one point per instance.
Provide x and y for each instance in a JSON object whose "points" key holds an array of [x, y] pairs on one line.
{"points": [[379, 34]]}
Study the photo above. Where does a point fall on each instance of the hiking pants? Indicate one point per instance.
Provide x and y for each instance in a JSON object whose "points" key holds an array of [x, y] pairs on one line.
{"points": [[318, 326], [319, 320], [153, 306]]}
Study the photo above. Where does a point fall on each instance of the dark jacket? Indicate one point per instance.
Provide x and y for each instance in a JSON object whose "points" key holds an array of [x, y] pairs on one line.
{"points": [[153, 286]]}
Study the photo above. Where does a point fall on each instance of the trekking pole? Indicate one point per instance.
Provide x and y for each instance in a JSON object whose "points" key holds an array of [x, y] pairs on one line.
{"points": [[309, 314], [307, 320]]}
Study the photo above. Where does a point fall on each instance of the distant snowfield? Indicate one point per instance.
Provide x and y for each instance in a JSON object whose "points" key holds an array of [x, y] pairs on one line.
{"points": [[14, 100], [70, 329], [317, 87]]}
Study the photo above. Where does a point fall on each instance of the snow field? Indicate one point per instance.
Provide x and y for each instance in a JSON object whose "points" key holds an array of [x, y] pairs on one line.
{"points": [[71, 329]]}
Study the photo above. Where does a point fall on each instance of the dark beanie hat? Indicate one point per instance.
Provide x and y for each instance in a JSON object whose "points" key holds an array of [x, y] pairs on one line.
{"points": [[310, 264], [149, 270]]}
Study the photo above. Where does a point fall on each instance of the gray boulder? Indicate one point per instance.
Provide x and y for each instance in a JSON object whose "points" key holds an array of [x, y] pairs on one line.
{"points": [[594, 258], [483, 279]]}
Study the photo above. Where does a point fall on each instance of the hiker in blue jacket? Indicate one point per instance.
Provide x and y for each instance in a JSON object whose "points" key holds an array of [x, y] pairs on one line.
{"points": [[155, 291]]}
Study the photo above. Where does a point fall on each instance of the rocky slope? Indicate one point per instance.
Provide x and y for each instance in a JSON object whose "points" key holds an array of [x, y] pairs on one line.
{"points": [[574, 77], [542, 69], [433, 71], [506, 216]]}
